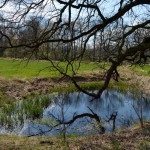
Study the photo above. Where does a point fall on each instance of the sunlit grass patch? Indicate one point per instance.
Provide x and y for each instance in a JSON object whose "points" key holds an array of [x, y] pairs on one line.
{"points": [[23, 69], [142, 70]]}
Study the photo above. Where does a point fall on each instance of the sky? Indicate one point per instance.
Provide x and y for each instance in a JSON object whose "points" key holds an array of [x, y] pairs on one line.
{"points": [[108, 8]]}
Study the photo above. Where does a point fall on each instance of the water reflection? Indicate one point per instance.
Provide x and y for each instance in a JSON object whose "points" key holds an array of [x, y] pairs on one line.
{"points": [[130, 107]]}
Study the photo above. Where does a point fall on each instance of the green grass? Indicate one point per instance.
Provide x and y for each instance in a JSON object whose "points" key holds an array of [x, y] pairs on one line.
{"points": [[10, 68], [23, 69], [142, 70], [4, 99], [72, 88], [122, 86], [30, 109]]}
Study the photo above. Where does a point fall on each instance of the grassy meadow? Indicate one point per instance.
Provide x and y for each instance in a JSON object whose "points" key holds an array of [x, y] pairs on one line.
{"points": [[10, 68]]}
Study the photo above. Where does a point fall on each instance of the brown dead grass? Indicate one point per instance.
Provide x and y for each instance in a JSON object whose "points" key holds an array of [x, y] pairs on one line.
{"points": [[20, 88], [131, 76]]}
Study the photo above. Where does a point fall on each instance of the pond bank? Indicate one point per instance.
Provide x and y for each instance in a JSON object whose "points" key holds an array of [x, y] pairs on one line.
{"points": [[21, 88], [133, 138]]}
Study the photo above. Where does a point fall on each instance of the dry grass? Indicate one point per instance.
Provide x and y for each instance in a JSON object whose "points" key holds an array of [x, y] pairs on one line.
{"points": [[133, 77], [19, 88]]}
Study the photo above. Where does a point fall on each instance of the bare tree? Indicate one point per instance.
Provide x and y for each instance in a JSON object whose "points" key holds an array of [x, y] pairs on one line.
{"points": [[120, 19]]}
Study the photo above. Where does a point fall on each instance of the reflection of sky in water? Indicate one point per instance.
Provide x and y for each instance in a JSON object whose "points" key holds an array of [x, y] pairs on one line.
{"points": [[75, 103], [110, 102]]}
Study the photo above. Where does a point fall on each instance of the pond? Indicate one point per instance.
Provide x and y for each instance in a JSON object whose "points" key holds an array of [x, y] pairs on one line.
{"points": [[49, 115]]}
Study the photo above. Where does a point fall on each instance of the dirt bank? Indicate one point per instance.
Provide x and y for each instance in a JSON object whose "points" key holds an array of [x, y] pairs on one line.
{"points": [[20, 88], [134, 138]]}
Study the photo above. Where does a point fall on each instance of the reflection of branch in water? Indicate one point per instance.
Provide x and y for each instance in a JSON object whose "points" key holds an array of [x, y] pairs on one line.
{"points": [[41, 131], [91, 115], [125, 122], [139, 109], [113, 118], [60, 122], [66, 124]]}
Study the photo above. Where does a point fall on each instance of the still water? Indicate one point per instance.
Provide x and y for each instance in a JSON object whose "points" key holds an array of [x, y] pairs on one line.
{"points": [[129, 107]]}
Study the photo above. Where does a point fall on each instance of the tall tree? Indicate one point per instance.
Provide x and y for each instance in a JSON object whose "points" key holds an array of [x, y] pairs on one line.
{"points": [[121, 20]]}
